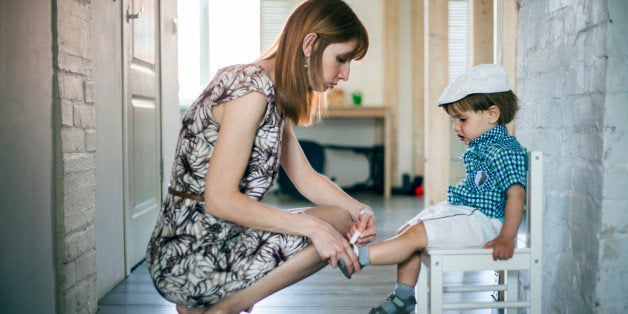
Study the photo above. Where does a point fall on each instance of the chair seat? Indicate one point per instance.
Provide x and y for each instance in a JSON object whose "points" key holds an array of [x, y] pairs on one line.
{"points": [[474, 259], [527, 256], [466, 250]]}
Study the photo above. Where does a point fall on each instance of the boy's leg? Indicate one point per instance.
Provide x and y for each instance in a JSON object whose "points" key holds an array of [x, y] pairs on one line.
{"points": [[409, 240], [400, 248], [408, 271], [298, 267], [404, 251], [402, 299]]}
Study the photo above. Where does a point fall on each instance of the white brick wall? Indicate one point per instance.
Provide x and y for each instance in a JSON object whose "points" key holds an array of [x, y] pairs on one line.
{"points": [[613, 274], [570, 57], [76, 159]]}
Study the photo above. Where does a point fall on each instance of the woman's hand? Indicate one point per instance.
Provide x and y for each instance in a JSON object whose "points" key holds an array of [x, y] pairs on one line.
{"points": [[332, 246], [365, 223]]}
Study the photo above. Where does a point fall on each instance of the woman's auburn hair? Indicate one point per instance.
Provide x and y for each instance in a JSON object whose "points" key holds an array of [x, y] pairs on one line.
{"points": [[332, 21]]}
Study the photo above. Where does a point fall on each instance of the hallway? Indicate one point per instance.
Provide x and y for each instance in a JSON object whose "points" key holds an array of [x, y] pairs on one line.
{"points": [[325, 292]]}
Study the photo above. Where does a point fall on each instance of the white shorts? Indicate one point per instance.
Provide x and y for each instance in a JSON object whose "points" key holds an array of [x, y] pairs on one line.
{"points": [[450, 225]]}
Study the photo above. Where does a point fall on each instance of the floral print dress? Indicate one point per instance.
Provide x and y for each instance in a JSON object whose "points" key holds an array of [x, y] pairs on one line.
{"points": [[194, 258]]}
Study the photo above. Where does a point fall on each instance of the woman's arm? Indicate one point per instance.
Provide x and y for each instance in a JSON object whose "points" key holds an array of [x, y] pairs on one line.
{"points": [[239, 120], [320, 190]]}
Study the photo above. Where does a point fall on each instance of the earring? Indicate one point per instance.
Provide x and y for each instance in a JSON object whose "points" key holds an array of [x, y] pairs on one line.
{"points": [[307, 61]]}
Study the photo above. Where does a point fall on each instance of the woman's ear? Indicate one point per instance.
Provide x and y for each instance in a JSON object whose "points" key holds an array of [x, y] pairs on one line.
{"points": [[493, 114], [308, 42]]}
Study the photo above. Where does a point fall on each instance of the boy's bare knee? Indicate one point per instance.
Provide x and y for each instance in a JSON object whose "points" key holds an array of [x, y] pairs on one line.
{"points": [[403, 228], [418, 233]]}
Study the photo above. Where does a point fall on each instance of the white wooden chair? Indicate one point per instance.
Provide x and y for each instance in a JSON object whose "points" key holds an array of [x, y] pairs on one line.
{"points": [[527, 256]]}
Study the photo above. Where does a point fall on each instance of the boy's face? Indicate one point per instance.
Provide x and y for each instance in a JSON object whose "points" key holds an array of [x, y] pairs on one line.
{"points": [[470, 124]]}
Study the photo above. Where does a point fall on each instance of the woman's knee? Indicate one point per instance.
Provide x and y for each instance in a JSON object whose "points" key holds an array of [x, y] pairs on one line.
{"points": [[336, 216]]}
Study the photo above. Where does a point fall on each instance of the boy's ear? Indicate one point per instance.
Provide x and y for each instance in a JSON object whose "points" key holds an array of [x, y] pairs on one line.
{"points": [[308, 42], [493, 114]]}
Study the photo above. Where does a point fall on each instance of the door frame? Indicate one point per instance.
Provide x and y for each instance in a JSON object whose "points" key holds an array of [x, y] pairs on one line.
{"points": [[130, 7], [168, 85]]}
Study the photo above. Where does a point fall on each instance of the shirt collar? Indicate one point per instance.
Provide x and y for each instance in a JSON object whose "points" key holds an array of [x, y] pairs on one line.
{"points": [[496, 132]]}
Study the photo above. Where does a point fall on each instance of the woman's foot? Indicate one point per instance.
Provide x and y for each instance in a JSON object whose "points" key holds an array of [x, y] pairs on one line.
{"points": [[395, 305]]}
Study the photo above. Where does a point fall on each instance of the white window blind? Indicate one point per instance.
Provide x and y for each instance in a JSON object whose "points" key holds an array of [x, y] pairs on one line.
{"points": [[214, 34], [458, 63], [458, 38], [272, 17]]}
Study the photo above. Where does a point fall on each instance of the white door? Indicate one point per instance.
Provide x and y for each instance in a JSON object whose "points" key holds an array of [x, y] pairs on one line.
{"points": [[141, 123]]}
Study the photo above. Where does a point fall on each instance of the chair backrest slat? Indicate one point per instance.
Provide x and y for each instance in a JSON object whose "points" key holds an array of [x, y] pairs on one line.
{"points": [[534, 203]]}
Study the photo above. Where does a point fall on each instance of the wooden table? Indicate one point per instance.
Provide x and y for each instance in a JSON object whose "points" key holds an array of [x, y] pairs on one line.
{"points": [[375, 112]]}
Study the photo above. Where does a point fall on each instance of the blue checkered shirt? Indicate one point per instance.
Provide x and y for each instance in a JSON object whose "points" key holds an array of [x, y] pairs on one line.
{"points": [[494, 161]]}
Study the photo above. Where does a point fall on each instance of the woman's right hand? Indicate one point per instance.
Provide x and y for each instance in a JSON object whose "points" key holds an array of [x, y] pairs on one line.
{"points": [[332, 246], [365, 224]]}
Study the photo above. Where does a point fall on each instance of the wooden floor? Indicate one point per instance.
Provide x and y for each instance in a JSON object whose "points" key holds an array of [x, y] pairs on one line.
{"points": [[327, 291]]}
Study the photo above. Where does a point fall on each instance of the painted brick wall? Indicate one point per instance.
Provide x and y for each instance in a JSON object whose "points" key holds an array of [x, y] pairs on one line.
{"points": [[612, 287], [75, 157], [572, 84]]}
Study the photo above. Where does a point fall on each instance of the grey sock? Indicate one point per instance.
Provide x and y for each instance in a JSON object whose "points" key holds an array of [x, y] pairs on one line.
{"points": [[363, 258], [404, 291]]}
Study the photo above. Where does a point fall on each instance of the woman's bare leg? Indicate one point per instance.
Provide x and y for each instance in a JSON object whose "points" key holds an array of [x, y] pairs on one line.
{"points": [[298, 267], [190, 310]]}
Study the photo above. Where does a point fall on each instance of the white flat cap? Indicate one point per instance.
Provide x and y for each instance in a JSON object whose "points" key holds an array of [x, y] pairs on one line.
{"points": [[483, 78]]}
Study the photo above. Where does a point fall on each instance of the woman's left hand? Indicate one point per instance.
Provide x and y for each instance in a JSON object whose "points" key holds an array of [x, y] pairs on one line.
{"points": [[365, 223]]}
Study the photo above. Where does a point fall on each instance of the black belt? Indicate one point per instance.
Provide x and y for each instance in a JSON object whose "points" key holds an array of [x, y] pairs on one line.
{"points": [[194, 197]]}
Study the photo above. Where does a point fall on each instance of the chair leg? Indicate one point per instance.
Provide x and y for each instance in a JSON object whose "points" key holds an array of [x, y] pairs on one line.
{"points": [[512, 288], [422, 289], [535, 289], [500, 281], [436, 284]]}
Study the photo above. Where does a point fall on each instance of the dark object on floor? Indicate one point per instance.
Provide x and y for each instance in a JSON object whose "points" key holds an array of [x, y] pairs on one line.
{"points": [[410, 187], [315, 153], [375, 156]]}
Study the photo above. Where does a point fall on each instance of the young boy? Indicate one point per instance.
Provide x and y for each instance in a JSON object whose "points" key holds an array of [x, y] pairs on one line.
{"points": [[484, 208]]}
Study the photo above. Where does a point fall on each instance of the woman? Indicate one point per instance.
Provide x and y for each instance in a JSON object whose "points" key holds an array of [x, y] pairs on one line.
{"points": [[215, 247]]}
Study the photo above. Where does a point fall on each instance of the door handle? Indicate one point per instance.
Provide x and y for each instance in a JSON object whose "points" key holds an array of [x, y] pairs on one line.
{"points": [[175, 25], [137, 15]]}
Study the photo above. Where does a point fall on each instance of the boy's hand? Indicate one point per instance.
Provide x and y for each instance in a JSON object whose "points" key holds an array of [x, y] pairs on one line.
{"points": [[502, 248], [504, 245]]}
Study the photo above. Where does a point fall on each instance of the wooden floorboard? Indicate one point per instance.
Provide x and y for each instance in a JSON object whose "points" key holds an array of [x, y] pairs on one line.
{"points": [[327, 291]]}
